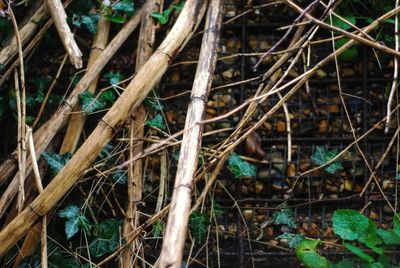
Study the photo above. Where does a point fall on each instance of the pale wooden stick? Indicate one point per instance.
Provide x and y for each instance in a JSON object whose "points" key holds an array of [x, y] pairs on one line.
{"points": [[47, 131], [175, 233], [144, 81], [67, 38]]}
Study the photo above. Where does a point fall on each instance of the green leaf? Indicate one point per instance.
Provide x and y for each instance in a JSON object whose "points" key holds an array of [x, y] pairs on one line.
{"points": [[160, 17], [346, 263], [371, 238], [178, 6], [349, 54], [397, 178], [389, 237], [108, 96], [307, 253], [70, 212], [285, 216], [117, 18], [125, 6], [293, 239], [350, 224], [114, 78], [216, 210], [320, 157], [120, 177], [396, 224], [158, 228], [90, 104], [198, 224], [157, 121], [341, 24], [241, 168], [56, 161], [74, 220], [357, 251], [107, 238], [90, 22], [154, 104]]}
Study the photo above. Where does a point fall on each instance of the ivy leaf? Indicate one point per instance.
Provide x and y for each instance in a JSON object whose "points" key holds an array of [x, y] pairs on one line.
{"points": [[350, 224], [125, 6], [90, 103], [357, 251], [157, 121], [120, 177], [293, 239], [154, 104], [56, 161], [341, 24], [389, 237], [90, 22], [241, 168], [107, 238], [162, 18], [320, 157], [216, 209], [198, 226], [74, 220], [285, 216], [307, 253], [396, 224], [114, 78], [158, 228], [349, 54]]}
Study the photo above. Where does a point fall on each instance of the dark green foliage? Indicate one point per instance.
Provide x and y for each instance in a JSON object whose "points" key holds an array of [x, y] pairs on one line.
{"points": [[120, 177], [90, 103], [74, 220], [89, 21], [285, 216], [241, 168], [163, 17], [113, 77], [107, 238], [293, 239], [321, 156], [157, 121], [198, 224], [120, 11], [55, 161], [158, 228]]}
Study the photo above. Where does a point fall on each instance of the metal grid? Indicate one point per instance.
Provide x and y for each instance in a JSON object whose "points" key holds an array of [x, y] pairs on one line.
{"points": [[316, 196]]}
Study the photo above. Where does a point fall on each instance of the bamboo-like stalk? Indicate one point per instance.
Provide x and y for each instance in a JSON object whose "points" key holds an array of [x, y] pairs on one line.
{"points": [[46, 132], [71, 137], [148, 76], [26, 32], [77, 120], [135, 171], [175, 233], [67, 38]]}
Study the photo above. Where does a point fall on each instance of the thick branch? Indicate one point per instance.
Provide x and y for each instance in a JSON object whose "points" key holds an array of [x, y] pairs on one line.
{"points": [[175, 235]]}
